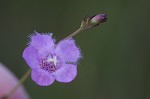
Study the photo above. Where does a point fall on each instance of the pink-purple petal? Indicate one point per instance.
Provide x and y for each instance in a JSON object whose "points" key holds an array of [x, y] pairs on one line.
{"points": [[68, 51], [66, 74], [43, 43], [31, 57], [42, 78], [7, 82]]}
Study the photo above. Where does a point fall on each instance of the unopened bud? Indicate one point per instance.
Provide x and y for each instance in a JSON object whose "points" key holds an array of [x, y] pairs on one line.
{"points": [[97, 19]]}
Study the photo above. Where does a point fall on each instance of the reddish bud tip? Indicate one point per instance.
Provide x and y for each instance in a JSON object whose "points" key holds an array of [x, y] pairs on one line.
{"points": [[100, 18]]}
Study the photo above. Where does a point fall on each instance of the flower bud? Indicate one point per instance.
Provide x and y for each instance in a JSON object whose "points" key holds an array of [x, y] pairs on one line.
{"points": [[97, 19]]}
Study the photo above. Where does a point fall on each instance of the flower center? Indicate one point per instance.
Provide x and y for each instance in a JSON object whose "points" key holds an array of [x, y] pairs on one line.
{"points": [[49, 63]]}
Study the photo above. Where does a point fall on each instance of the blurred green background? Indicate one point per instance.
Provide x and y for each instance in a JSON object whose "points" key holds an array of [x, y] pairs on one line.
{"points": [[116, 55]]}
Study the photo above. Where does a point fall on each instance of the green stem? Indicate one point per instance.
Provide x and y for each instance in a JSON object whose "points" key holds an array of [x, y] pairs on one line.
{"points": [[72, 34]]}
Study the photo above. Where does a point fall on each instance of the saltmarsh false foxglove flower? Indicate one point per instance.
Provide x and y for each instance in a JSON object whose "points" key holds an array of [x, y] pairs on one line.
{"points": [[99, 18], [50, 62], [92, 21]]}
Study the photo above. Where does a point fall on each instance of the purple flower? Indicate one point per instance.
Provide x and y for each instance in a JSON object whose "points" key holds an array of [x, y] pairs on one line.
{"points": [[100, 18], [49, 62]]}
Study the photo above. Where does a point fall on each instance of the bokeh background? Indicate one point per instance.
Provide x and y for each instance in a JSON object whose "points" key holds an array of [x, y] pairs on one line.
{"points": [[116, 55]]}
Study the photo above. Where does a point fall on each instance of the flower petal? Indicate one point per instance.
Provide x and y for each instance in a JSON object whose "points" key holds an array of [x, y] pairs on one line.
{"points": [[66, 74], [30, 56], [44, 43], [42, 77], [7, 82], [68, 51]]}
